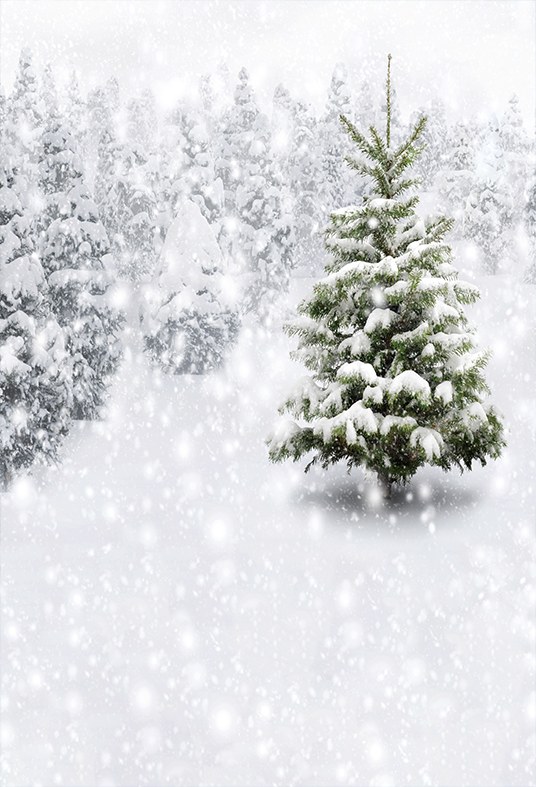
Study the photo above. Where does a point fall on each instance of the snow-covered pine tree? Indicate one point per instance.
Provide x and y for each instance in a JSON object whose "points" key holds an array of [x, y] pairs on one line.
{"points": [[297, 163], [196, 178], [142, 122], [73, 247], [304, 173], [529, 218], [488, 222], [434, 141], [283, 125], [266, 232], [188, 318], [26, 115], [3, 107], [365, 111], [49, 92], [517, 158], [455, 181], [232, 141], [257, 235], [139, 226], [235, 135], [107, 199], [215, 96], [338, 190], [35, 382], [74, 108], [496, 206], [127, 206], [396, 383], [100, 116], [23, 126]]}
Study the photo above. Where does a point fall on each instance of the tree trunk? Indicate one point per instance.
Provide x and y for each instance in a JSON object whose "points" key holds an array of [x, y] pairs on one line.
{"points": [[385, 484]]}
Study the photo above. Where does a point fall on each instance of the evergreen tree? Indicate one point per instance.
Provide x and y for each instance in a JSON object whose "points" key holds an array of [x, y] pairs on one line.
{"points": [[74, 106], [35, 385], [235, 137], [283, 125], [338, 190], [23, 126], [26, 114], [365, 112], [516, 150], [127, 205], [390, 116], [396, 383], [142, 123], [297, 162], [188, 319], [257, 235], [162, 172], [455, 182], [138, 231], [49, 93], [232, 143], [529, 217], [266, 232], [196, 178], [434, 141], [100, 116], [73, 247], [494, 208], [3, 108], [215, 95], [304, 176], [488, 220]]}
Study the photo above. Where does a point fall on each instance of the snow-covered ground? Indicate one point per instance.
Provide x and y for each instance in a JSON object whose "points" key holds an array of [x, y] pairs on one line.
{"points": [[178, 611]]}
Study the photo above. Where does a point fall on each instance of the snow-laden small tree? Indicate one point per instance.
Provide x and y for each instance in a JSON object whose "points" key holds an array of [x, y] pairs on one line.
{"points": [[26, 114], [74, 249], [196, 179], [74, 108], [434, 141], [336, 187], [266, 232], [517, 157], [488, 222], [127, 206], [396, 381], [35, 383], [304, 178], [455, 180], [188, 319], [142, 121], [529, 218]]}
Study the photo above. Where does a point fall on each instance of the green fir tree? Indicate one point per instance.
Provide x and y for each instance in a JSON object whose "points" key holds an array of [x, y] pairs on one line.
{"points": [[396, 380]]}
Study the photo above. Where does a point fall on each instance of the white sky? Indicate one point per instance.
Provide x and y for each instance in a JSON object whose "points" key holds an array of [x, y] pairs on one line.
{"points": [[472, 53]]}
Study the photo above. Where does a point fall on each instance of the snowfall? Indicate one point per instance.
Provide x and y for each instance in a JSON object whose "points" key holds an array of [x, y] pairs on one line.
{"points": [[176, 610]]}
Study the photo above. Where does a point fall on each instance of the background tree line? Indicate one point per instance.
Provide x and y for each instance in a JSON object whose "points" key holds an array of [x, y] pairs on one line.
{"points": [[90, 185]]}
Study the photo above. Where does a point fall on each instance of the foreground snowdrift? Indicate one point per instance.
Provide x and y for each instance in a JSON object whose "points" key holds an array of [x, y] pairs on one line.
{"points": [[177, 611]]}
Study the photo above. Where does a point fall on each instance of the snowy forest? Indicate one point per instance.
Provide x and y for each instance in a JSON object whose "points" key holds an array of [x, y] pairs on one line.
{"points": [[93, 184], [196, 614]]}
